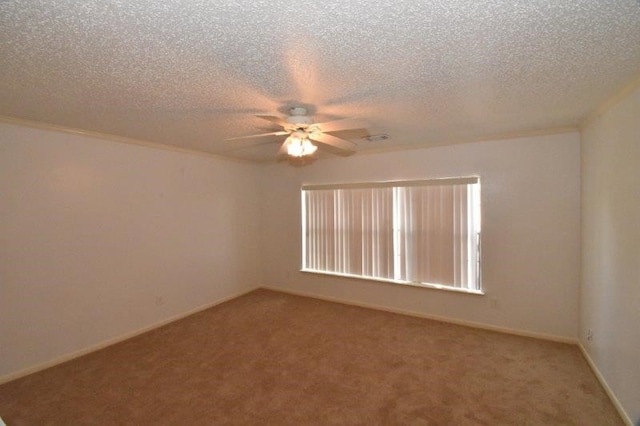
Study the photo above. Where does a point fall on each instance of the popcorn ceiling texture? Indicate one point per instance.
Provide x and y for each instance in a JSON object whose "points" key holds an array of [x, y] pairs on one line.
{"points": [[191, 73]]}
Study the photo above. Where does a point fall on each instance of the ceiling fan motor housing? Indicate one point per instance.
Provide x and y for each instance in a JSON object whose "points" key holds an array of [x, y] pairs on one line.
{"points": [[299, 117]]}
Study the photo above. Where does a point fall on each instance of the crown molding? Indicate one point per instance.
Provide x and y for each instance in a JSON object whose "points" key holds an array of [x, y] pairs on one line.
{"points": [[114, 138], [487, 138], [155, 145], [609, 103]]}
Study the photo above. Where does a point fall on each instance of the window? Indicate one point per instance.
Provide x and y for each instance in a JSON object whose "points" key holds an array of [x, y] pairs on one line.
{"points": [[412, 232]]}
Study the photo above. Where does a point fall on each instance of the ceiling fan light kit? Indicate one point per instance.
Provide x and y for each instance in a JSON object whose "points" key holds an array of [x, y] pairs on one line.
{"points": [[299, 145]]}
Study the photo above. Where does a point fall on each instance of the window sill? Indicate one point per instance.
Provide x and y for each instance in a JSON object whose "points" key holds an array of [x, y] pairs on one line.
{"points": [[405, 283]]}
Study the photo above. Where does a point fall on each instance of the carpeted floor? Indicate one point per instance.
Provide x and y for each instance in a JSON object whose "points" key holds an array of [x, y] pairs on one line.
{"points": [[278, 359]]}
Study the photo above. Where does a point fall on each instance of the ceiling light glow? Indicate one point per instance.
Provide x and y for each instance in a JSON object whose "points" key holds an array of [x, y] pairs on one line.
{"points": [[299, 145]]}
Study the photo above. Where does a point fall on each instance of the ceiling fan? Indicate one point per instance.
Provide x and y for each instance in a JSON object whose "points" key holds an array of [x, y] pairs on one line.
{"points": [[301, 131]]}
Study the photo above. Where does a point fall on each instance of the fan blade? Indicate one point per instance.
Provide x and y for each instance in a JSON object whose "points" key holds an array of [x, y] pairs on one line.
{"points": [[249, 146], [283, 149], [324, 138], [279, 121], [345, 124], [261, 135]]}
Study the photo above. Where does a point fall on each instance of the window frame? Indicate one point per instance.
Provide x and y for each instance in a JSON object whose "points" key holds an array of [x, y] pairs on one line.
{"points": [[397, 183]]}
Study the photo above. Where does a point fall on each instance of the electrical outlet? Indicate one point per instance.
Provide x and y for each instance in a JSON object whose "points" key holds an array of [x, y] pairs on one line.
{"points": [[159, 300], [494, 303], [589, 334]]}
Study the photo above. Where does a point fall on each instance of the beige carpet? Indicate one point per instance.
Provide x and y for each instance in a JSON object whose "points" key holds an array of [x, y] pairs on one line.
{"points": [[272, 358]]}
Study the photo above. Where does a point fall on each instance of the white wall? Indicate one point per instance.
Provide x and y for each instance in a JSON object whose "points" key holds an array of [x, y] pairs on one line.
{"points": [[92, 232], [531, 231], [610, 293]]}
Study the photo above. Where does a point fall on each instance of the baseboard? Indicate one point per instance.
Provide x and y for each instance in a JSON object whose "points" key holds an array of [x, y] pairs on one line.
{"points": [[450, 320], [77, 354], [93, 348], [472, 324], [605, 385]]}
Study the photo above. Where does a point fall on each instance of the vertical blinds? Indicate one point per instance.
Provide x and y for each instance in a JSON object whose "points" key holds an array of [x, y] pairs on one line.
{"points": [[410, 231]]}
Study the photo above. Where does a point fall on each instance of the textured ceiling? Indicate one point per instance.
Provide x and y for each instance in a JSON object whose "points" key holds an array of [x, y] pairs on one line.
{"points": [[191, 73]]}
